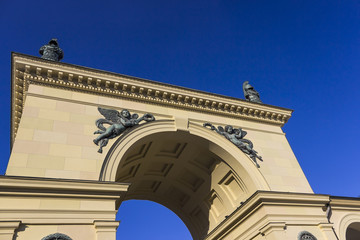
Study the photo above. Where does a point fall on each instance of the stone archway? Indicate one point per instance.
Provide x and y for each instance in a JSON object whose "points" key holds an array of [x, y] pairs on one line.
{"points": [[197, 174], [349, 226], [353, 231]]}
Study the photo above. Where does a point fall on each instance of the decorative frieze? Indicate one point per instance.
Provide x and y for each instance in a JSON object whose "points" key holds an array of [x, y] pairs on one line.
{"points": [[32, 70]]}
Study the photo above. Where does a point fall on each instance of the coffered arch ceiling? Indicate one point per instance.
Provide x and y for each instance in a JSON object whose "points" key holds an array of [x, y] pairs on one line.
{"points": [[184, 173]]}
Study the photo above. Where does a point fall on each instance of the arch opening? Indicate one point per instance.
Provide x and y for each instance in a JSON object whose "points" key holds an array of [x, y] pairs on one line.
{"points": [[146, 219], [353, 231], [198, 179]]}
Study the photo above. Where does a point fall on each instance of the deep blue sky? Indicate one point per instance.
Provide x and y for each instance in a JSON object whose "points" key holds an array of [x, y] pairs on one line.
{"points": [[302, 55]]}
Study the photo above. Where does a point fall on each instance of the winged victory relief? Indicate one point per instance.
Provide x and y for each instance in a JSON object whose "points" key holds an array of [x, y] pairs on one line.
{"points": [[119, 122], [236, 136]]}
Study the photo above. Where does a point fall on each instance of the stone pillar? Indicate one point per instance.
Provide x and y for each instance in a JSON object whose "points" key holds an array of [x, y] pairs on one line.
{"points": [[7, 229], [106, 230]]}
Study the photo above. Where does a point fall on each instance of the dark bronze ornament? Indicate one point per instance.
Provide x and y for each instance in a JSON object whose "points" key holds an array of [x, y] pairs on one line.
{"points": [[51, 51], [118, 122], [56, 236], [304, 235], [236, 136], [250, 93]]}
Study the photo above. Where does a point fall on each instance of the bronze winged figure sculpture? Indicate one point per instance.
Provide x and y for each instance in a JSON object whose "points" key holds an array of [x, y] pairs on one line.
{"points": [[236, 136], [119, 122]]}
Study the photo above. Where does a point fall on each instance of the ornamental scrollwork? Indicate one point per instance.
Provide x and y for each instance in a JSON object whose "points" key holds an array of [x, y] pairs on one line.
{"points": [[57, 236], [119, 122], [236, 136]]}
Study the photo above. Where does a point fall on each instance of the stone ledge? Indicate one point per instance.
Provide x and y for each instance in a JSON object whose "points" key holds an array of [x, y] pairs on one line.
{"points": [[32, 186]]}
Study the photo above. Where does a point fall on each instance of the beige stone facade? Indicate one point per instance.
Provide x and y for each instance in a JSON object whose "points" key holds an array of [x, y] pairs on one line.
{"points": [[57, 182]]}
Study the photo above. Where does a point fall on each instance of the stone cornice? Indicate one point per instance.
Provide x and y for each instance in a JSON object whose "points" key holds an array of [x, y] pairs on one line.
{"points": [[262, 198], [65, 200], [48, 187], [33, 70], [345, 203]]}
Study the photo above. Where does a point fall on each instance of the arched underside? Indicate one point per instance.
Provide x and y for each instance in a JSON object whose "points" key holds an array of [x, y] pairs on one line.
{"points": [[200, 178], [353, 231], [348, 226]]}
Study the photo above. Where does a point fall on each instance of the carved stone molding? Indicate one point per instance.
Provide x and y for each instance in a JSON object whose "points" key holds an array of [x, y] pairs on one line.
{"points": [[32, 70]]}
